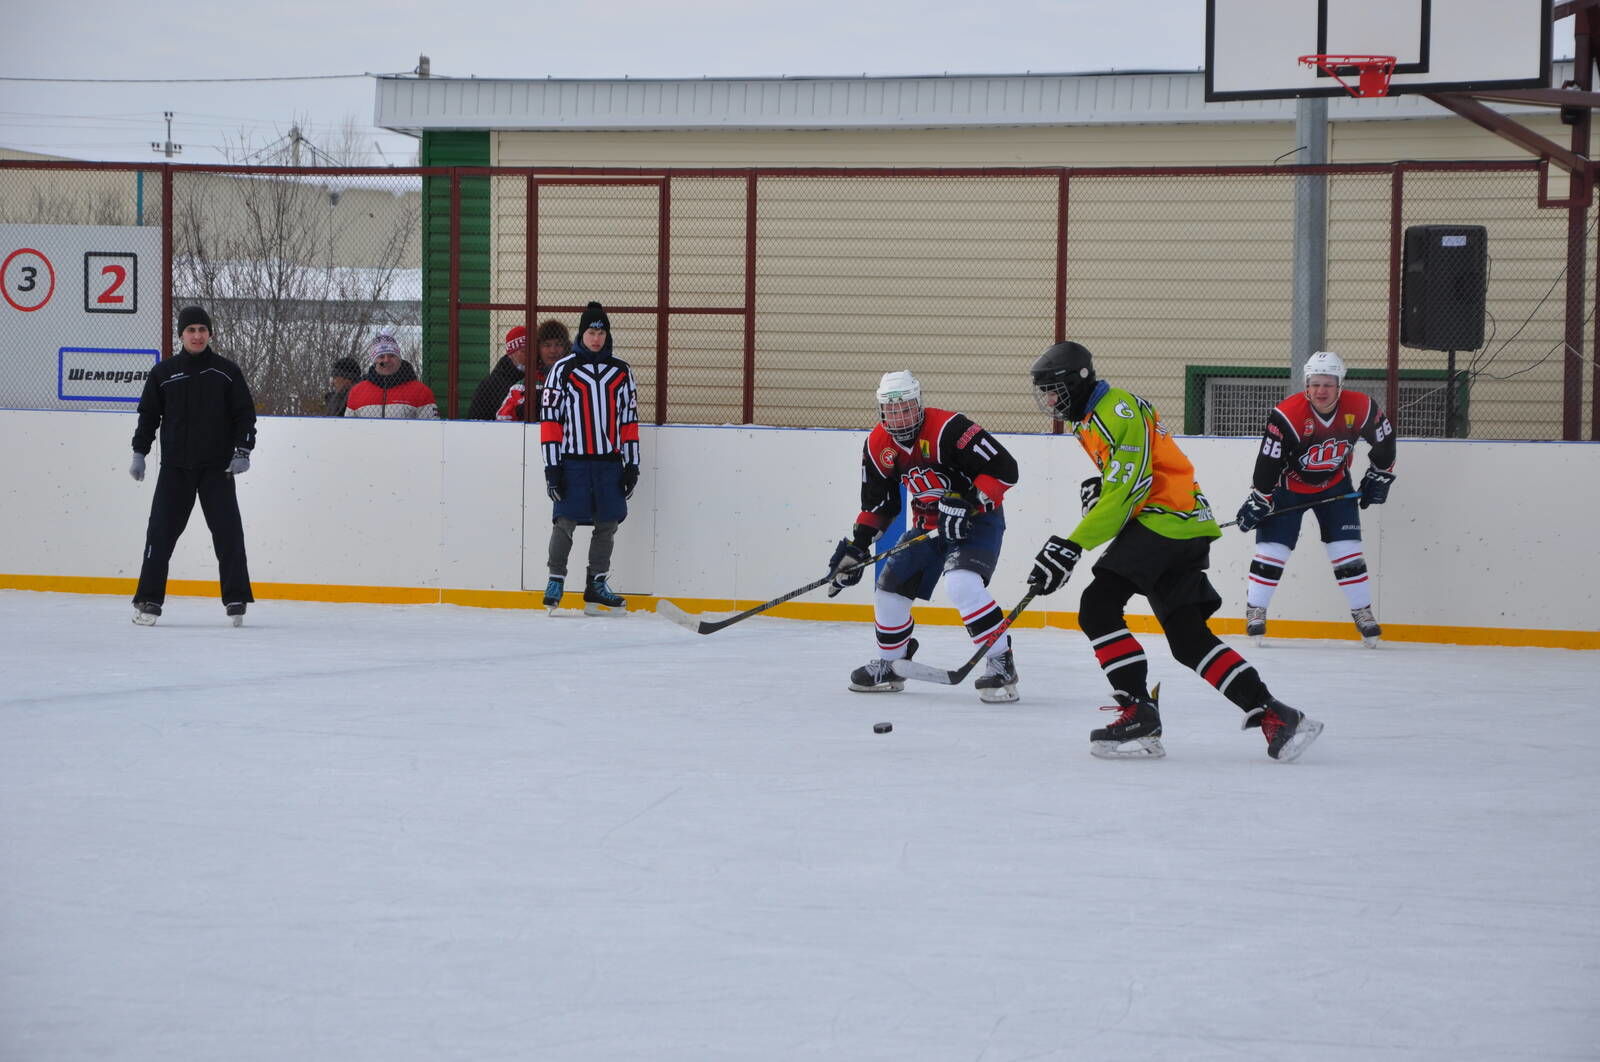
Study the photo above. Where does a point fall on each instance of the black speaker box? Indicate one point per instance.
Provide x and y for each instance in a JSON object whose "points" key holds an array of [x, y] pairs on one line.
{"points": [[1443, 283]]}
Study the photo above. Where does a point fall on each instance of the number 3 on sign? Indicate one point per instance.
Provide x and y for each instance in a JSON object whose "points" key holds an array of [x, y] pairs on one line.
{"points": [[27, 279], [110, 282]]}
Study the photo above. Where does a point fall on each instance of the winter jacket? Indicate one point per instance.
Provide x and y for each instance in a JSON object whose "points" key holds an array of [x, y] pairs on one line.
{"points": [[492, 389], [203, 408], [398, 396]]}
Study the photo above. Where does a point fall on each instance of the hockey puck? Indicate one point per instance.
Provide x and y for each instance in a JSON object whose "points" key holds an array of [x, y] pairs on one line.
{"points": [[882, 728]]}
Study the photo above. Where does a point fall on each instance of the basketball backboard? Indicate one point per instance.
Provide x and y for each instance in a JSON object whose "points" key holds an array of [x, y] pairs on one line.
{"points": [[1253, 47]]}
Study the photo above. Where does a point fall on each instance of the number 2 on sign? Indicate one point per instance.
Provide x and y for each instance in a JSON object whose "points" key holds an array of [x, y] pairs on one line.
{"points": [[119, 276]]}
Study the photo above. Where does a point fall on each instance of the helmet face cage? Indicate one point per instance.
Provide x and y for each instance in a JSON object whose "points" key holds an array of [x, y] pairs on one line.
{"points": [[901, 416], [1053, 396]]}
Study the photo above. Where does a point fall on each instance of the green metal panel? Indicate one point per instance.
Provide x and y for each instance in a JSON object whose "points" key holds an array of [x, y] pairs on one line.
{"points": [[452, 148]]}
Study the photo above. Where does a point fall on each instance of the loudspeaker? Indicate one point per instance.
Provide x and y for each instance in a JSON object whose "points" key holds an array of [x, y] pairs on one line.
{"points": [[1443, 283]]}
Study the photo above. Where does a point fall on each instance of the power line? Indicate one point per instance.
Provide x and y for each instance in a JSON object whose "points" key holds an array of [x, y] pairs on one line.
{"points": [[194, 80]]}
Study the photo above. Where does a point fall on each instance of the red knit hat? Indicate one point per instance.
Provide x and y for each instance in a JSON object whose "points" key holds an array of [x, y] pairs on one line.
{"points": [[516, 339]]}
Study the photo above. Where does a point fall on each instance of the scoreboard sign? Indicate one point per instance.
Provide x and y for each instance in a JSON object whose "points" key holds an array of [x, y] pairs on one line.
{"points": [[80, 307]]}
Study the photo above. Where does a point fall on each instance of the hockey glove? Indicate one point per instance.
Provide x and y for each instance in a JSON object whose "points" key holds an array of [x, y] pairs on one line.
{"points": [[955, 517], [1054, 564], [1089, 493], [240, 463], [136, 470], [1255, 509], [848, 564], [552, 481], [1375, 487], [630, 480]]}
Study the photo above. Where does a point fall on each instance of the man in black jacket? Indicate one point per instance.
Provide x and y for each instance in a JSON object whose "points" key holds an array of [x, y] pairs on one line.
{"points": [[201, 403]]}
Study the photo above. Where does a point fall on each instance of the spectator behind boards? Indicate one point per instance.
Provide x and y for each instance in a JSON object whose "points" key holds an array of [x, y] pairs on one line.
{"points": [[201, 404], [390, 390], [554, 343], [589, 435], [341, 377], [491, 390]]}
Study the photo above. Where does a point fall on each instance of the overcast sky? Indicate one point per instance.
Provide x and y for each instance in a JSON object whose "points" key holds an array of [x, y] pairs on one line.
{"points": [[183, 39]]}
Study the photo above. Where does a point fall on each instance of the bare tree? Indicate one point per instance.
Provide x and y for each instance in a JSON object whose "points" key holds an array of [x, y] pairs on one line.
{"points": [[295, 284]]}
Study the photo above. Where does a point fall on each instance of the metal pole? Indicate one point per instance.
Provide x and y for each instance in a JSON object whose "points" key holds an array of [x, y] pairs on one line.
{"points": [[1308, 313]]}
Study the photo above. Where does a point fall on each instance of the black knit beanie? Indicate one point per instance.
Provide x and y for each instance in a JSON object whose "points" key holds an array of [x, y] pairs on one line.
{"points": [[594, 316], [191, 315]]}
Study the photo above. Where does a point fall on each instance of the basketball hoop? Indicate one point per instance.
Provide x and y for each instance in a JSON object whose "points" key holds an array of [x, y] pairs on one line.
{"points": [[1372, 72]]}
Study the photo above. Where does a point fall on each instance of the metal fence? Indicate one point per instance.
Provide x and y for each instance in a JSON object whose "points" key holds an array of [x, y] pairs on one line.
{"points": [[778, 296]]}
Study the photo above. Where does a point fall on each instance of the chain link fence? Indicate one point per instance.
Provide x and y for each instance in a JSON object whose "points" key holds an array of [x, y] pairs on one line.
{"points": [[779, 296]]}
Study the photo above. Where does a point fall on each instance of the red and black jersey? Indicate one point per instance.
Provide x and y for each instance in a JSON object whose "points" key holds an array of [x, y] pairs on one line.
{"points": [[1307, 452], [949, 452]]}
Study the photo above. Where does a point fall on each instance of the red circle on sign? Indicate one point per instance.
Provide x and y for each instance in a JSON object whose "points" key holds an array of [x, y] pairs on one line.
{"points": [[5, 288]]}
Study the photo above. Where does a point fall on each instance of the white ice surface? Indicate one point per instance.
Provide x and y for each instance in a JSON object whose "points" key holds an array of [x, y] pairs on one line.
{"points": [[394, 833]]}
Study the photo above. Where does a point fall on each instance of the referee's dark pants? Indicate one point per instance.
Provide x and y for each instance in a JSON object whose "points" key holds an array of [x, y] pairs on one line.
{"points": [[176, 490]]}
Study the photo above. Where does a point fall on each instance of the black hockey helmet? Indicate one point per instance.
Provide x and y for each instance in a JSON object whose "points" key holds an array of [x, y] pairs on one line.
{"points": [[1063, 379]]}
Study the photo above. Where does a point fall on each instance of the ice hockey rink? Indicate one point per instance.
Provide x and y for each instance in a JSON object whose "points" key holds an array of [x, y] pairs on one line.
{"points": [[398, 833]]}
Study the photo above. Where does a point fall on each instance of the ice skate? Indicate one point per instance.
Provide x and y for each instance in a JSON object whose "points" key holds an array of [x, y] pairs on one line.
{"points": [[998, 683], [1288, 731], [877, 676], [1136, 734], [235, 610], [1255, 623], [145, 613], [600, 600], [1370, 631], [553, 591]]}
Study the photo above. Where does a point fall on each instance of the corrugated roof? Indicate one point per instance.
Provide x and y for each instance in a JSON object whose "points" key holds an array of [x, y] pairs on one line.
{"points": [[412, 104]]}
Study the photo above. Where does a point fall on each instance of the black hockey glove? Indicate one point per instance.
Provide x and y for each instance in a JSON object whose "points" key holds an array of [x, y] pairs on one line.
{"points": [[955, 517], [1089, 493], [1375, 487], [1054, 564], [552, 481], [240, 463], [1255, 509], [630, 480], [848, 564]]}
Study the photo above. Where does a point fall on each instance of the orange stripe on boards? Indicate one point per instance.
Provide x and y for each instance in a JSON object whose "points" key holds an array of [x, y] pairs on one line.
{"points": [[1340, 630]]}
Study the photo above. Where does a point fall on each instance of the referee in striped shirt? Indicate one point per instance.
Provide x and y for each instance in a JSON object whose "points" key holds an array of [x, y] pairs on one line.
{"points": [[589, 436]]}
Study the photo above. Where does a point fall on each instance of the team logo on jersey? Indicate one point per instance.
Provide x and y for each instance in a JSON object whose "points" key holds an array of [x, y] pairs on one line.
{"points": [[926, 448], [1309, 428], [1123, 411], [1349, 420], [886, 457]]}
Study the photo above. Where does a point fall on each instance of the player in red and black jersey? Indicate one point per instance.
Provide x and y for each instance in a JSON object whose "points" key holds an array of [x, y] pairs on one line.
{"points": [[956, 475], [1304, 460]]}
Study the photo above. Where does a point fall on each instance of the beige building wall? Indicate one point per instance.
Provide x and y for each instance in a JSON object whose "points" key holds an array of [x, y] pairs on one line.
{"points": [[954, 278]]}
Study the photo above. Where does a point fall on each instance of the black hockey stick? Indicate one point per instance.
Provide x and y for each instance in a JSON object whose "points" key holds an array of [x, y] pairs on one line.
{"points": [[699, 626], [1307, 505], [922, 672]]}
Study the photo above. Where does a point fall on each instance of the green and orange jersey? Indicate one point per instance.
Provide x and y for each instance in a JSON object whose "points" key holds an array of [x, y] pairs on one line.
{"points": [[1143, 474]]}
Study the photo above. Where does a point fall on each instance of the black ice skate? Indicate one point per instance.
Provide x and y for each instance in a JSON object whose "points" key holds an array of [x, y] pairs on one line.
{"points": [[1136, 734], [1370, 631], [1288, 731], [235, 611], [1255, 623], [553, 591], [998, 683], [877, 676], [145, 613], [599, 599]]}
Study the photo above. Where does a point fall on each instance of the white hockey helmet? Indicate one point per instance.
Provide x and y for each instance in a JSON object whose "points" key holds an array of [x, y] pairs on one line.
{"points": [[900, 404], [1324, 363]]}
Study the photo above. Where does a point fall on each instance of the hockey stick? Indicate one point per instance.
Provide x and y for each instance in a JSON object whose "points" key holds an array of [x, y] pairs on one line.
{"points": [[683, 619], [923, 672], [1308, 505]]}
